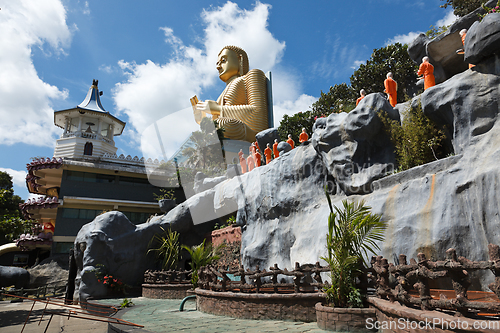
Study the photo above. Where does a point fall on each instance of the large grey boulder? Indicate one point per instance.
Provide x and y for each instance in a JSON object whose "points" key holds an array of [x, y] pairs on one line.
{"points": [[267, 136], [353, 145], [442, 49], [284, 147], [47, 273], [467, 104], [14, 276], [483, 39]]}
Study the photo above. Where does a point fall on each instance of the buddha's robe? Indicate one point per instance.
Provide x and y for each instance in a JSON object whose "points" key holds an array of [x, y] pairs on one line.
{"points": [[291, 143], [427, 70], [244, 106], [391, 89], [359, 100]]}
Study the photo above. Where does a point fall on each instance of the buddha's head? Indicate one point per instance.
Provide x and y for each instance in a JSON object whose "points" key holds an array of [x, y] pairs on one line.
{"points": [[233, 61]]}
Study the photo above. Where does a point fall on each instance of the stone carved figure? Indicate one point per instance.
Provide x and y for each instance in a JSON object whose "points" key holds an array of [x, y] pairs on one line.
{"points": [[391, 89], [241, 109], [427, 70]]}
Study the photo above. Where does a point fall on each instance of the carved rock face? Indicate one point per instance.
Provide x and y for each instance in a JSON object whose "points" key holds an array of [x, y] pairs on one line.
{"points": [[353, 145]]}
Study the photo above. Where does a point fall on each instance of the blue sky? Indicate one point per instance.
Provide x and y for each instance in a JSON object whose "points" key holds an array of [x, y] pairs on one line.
{"points": [[151, 56]]}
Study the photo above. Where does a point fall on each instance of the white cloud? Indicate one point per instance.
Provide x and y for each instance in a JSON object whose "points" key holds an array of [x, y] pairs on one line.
{"points": [[18, 177], [403, 39], [448, 19], [25, 98], [153, 91], [303, 103], [86, 9], [357, 63], [106, 69]]}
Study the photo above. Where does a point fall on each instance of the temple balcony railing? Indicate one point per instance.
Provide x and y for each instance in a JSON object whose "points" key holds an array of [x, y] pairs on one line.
{"points": [[87, 135]]}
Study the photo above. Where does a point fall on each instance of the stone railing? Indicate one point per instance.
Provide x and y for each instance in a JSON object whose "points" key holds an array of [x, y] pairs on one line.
{"points": [[131, 159], [167, 277], [412, 287], [306, 278]]}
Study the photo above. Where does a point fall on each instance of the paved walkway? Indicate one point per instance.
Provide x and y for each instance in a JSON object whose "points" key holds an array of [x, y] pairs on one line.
{"points": [[157, 315], [163, 315]]}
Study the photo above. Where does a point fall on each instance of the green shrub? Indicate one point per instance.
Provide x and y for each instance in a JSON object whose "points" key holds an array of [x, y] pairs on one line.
{"points": [[169, 248], [417, 141]]}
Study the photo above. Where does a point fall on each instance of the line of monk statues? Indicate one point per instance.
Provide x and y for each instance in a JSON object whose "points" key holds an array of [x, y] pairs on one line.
{"points": [[255, 158]]}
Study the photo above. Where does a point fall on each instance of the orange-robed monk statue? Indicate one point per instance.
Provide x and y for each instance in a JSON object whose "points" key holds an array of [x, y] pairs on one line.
{"points": [[250, 160], [241, 109], [275, 149], [303, 137], [268, 153], [290, 141], [391, 89], [243, 162], [427, 70]]}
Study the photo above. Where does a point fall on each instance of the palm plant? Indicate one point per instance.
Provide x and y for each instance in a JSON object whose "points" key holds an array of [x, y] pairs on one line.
{"points": [[169, 249], [352, 233], [201, 255]]}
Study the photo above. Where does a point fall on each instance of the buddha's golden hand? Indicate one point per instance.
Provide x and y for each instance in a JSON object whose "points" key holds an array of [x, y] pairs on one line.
{"points": [[208, 106]]}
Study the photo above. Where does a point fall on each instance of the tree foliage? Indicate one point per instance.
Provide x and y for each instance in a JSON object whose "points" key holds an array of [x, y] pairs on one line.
{"points": [[340, 97], [293, 125], [436, 31], [11, 223], [392, 58], [462, 7]]}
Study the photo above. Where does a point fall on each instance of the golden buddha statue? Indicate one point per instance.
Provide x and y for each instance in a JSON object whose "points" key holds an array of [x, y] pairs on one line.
{"points": [[241, 109]]}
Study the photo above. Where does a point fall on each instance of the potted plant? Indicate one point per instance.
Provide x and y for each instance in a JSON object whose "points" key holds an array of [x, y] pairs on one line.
{"points": [[353, 232], [166, 199]]}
